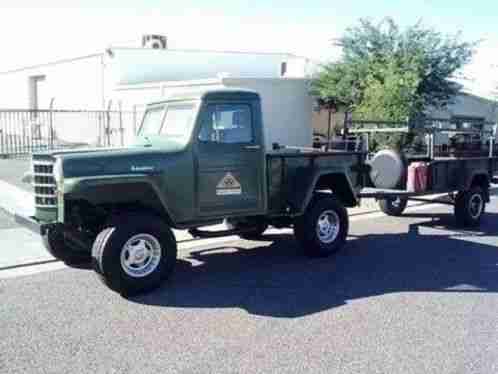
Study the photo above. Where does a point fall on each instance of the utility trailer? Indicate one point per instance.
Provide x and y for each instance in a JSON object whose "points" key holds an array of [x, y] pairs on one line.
{"points": [[466, 180]]}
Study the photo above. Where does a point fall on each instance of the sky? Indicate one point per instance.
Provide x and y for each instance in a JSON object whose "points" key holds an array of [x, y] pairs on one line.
{"points": [[34, 31]]}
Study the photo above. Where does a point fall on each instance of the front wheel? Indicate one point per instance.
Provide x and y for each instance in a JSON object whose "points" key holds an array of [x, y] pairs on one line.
{"points": [[136, 255], [322, 229], [470, 206]]}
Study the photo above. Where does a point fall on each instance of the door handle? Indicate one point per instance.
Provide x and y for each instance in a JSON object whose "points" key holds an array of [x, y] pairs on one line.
{"points": [[252, 147]]}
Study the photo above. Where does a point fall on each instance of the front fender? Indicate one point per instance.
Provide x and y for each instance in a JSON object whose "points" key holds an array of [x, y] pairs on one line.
{"points": [[119, 189]]}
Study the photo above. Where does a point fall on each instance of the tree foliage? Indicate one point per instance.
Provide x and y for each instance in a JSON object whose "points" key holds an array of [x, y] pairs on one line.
{"points": [[386, 73]]}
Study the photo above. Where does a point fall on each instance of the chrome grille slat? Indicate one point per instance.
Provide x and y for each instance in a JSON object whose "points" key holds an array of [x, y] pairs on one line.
{"points": [[44, 184]]}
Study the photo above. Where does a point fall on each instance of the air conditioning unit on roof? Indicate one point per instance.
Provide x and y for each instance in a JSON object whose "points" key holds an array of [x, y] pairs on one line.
{"points": [[155, 41]]}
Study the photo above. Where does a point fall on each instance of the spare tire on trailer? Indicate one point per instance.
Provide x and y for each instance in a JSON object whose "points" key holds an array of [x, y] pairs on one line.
{"points": [[388, 169]]}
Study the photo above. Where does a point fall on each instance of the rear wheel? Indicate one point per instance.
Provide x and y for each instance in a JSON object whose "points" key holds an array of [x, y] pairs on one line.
{"points": [[322, 229], [393, 206], [135, 255], [470, 206]]}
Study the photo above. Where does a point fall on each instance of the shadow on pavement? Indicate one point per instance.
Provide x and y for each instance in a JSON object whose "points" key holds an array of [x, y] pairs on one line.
{"points": [[273, 281]]}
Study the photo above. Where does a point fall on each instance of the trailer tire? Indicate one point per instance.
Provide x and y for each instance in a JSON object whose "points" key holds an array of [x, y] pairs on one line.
{"points": [[134, 255], [54, 243], [393, 206], [322, 230], [470, 206]]}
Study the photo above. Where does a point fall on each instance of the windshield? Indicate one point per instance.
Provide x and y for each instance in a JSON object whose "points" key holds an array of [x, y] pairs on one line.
{"points": [[152, 121], [173, 120]]}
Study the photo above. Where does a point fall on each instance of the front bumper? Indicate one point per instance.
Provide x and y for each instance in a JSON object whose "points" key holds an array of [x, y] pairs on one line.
{"points": [[34, 225]]}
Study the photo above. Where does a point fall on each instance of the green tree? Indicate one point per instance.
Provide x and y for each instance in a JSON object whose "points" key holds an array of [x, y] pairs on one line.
{"points": [[386, 73]]}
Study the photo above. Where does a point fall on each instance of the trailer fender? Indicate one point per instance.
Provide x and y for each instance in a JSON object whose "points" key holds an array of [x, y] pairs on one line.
{"points": [[479, 178], [334, 180]]}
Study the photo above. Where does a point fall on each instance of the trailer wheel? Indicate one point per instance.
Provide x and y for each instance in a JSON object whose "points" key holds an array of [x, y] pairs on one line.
{"points": [[470, 206], [54, 243], [136, 255], [393, 206], [322, 229]]}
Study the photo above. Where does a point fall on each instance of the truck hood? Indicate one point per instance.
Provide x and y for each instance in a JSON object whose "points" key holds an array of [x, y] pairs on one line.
{"points": [[115, 161]]}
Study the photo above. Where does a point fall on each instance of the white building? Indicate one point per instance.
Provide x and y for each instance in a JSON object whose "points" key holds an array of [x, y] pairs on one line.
{"points": [[95, 83], [89, 82]]}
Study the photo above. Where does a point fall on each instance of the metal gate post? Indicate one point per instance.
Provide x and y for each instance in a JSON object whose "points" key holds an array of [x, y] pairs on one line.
{"points": [[108, 124], [134, 120], [121, 129], [51, 124]]}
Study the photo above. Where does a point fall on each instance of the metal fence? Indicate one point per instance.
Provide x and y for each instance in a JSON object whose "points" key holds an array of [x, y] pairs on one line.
{"points": [[26, 131]]}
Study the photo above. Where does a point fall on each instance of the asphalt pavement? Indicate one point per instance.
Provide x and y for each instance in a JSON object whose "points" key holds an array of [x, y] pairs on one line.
{"points": [[406, 295], [12, 170]]}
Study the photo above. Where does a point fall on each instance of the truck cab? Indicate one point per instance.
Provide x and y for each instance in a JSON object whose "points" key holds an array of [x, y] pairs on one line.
{"points": [[220, 135]]}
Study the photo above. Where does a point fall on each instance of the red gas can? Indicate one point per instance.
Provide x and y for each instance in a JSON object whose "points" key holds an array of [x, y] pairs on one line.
{"points": [[417, 177]]}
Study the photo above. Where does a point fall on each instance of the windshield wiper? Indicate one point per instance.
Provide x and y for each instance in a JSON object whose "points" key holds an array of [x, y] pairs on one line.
{"points": [[149, 143]]}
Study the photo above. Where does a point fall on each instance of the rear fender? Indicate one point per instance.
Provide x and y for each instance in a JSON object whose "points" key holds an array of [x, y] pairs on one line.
{"points": [[309, 182]]}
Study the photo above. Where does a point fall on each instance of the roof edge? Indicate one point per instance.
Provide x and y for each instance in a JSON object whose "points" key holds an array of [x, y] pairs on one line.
{"points": [[56, 62]]}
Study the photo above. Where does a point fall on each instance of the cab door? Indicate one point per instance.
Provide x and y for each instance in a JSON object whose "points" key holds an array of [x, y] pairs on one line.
{"points": [[230, 159]]}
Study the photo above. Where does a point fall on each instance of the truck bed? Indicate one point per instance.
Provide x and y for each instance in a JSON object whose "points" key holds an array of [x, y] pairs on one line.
{"points": [[289, 172]]}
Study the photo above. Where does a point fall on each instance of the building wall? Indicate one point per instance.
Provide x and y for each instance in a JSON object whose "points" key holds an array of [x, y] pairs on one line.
{"points": [[466, 105], [74, 84], [90, 82]]}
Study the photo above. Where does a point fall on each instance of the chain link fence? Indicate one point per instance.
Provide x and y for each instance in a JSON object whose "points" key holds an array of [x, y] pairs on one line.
{"points": [[23, 132]]}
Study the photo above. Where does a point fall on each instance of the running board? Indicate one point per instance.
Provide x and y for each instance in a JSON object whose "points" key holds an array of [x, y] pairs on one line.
{"points": [[196, 233]]}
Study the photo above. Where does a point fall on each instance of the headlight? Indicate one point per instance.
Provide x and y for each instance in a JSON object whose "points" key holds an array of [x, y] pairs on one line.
{"points": [[58, 172]]}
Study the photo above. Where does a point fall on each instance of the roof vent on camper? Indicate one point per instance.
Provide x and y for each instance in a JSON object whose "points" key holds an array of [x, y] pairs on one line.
{"points": [[154, 41]]}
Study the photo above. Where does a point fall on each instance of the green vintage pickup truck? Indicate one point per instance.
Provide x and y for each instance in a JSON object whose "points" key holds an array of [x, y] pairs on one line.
{"points": [[199, 159]]}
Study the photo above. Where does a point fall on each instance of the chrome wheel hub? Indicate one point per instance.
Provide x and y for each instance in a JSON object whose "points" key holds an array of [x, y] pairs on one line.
{"points": [[476, 205], [328, 226], [140, 255]]}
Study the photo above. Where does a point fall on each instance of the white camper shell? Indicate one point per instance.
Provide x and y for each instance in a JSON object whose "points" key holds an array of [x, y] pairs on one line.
{"points": [[287, 105]]}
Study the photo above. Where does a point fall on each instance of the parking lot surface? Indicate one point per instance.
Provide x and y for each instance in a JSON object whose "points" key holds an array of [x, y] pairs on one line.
{"points": [[407, 295]]}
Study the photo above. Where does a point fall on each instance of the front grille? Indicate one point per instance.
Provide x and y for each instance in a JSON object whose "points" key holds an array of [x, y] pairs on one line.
{"points": [[44, 184]]}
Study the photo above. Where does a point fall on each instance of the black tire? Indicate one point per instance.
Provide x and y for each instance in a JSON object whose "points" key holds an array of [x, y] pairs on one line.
{"points": [[57, 246], [109, 250], [393, 206], [306, 228], [470, 206], [255, 230]]}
